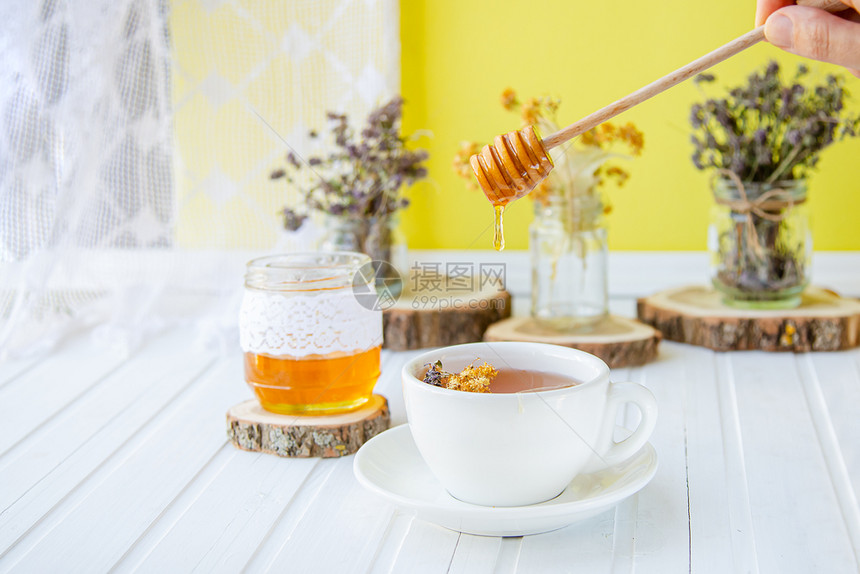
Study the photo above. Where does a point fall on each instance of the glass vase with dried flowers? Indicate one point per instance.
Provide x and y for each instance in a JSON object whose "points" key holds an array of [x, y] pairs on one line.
{"points": [[358, 184], [567, 238], [761, 142]]}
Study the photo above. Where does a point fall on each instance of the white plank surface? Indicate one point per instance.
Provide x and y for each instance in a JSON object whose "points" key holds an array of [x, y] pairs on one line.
{"points": [[796, 516], [40, 392], [712, 533], [392, 542], [121, 464], [829, 441], [92, 527], [246, 515]]}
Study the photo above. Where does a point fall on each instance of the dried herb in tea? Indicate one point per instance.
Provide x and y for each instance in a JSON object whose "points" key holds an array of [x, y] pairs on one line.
{"points": [[472, 379]]}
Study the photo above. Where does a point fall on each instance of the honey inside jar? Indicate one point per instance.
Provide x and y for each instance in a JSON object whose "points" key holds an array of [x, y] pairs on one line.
{"points": [[314, 384]]}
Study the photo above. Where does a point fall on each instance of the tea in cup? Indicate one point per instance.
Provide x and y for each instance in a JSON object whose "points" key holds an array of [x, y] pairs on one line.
{"points": [[549, 416]]}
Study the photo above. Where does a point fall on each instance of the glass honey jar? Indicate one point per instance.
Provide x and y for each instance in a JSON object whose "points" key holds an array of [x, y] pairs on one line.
{"points": [[310, 346]]}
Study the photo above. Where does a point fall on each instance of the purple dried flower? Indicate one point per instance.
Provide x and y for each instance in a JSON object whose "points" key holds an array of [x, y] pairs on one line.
{"points": [[711, 141], [697, 160], [434, 374], [794, 137], [292, 220], [696, 117], [770, 130], [362, 175], [772, 69]]}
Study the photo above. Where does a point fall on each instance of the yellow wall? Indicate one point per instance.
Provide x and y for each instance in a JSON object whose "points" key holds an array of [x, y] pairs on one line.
{"points": [[458, 56]]}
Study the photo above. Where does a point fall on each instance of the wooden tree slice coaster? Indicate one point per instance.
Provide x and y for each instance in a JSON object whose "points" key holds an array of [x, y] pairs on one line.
{"points": [[443, 311], [252, 428], [824, 321], [619, 341]]}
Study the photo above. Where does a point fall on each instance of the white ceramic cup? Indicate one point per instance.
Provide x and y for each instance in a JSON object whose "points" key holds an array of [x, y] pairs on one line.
{"points": [[523, 448]]}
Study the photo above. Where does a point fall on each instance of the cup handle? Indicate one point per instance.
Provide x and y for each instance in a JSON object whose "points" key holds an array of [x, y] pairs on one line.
{"points": [[619, 394]]}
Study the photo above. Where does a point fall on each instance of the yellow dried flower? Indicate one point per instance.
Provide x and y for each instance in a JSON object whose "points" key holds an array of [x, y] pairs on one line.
{"points": [[472, 379], [618, 174], [634, 138], [589, 138], [536, 108], [607, 132], [461, 162], [509, 99], [543, 192], [530, 111], [551, 104]]}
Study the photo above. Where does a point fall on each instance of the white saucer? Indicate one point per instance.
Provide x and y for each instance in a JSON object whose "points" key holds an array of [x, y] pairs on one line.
{"points": [[391, 466]]}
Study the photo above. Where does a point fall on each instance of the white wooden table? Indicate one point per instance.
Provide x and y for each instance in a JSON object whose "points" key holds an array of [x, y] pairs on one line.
{"points": [[122, 464]]}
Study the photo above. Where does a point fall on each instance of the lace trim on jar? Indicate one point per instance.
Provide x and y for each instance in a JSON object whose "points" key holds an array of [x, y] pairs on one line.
{"points": [[301, 325]]}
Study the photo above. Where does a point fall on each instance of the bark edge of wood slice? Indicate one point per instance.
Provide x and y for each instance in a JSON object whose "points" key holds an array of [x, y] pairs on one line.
{"points": [[454, 317], [251, 428], [696, 315], [618, 341]]}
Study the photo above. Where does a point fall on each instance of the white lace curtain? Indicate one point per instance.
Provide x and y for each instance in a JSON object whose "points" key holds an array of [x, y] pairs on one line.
{"points": [[136, 138]]}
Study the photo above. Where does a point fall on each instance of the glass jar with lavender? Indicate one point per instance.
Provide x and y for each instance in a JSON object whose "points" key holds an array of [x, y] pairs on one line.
{"points": [[760, 243]]}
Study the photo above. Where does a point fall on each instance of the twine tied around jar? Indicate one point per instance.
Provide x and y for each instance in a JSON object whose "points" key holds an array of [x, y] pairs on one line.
{"points": [[773, 205]]}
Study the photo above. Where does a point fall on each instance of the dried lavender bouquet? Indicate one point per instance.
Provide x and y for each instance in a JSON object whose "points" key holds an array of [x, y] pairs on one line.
{"points": [[762, 141], [360, 179]]}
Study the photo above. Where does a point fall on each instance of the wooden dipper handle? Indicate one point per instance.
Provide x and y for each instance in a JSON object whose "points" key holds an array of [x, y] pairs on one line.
{"points": [[695, 67]]}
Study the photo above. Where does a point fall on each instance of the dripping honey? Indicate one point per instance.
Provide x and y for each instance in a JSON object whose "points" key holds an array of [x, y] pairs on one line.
{"points": [[313, 385], [498, 227]]}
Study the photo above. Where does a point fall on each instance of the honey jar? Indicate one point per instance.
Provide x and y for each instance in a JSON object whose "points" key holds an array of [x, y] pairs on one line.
{"points": [[311, 347]]}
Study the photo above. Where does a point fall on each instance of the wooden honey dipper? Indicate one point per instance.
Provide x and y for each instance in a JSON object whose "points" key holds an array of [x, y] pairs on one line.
{"points": [[517, 161]]}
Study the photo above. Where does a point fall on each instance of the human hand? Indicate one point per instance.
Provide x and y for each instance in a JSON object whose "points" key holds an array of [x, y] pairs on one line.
{"points": [[813, 33]]}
